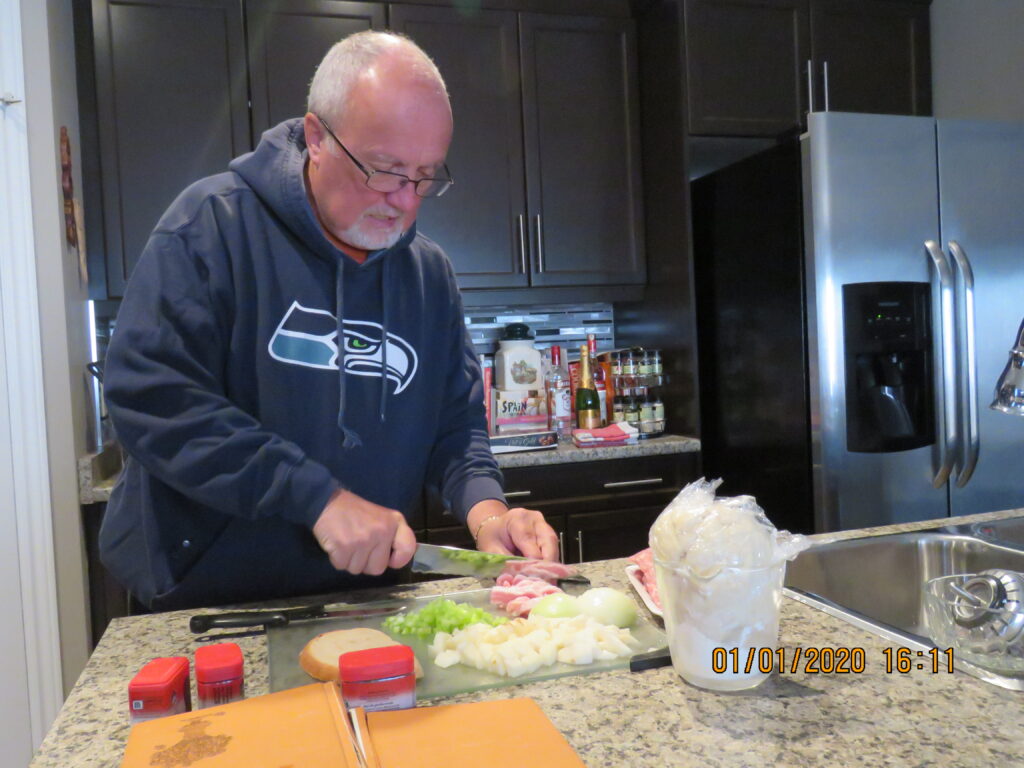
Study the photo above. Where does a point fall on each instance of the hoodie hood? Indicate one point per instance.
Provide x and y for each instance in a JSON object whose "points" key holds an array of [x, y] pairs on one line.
{"points": [[275, 173]]}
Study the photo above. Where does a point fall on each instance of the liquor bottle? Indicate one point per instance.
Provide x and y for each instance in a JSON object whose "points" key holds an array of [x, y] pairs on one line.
{"points": [[556, 382], [588, 405], [600, 380]]}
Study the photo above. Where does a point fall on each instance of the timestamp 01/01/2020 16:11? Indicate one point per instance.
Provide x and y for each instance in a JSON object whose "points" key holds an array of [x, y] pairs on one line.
{"points": [[826, 660]]}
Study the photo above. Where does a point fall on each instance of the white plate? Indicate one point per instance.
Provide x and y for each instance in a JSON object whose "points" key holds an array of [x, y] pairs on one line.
{"points": [[633, 574]]}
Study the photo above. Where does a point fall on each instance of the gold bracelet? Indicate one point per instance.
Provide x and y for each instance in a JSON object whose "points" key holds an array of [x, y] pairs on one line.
{"points": [[485, 521]]}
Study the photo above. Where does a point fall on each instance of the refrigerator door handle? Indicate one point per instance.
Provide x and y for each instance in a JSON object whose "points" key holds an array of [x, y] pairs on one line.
{"points": [[948, 363], [969, 405]]}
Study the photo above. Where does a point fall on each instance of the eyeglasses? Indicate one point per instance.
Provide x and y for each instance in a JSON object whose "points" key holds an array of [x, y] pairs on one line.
{"points": [[388, 182]]}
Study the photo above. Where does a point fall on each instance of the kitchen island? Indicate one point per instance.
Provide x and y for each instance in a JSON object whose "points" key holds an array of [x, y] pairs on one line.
{"points": [[650, 718]]}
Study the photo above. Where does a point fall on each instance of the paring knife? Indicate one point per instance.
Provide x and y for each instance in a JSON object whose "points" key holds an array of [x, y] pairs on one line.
{"points": [[204, 622]]}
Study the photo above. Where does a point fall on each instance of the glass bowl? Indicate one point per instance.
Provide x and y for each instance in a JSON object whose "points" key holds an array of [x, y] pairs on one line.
{"points": [[980, 616]]}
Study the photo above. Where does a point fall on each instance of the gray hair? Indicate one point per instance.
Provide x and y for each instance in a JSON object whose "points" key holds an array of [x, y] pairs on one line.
{"points": [[347, 59]]}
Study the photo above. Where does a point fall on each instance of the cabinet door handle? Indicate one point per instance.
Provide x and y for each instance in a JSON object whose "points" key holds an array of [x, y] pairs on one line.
{"points": [[561, 546], [540, 244], [810, 85], [517, 494], [579, 541], [629, 483], [824, 75], [522, 242]]}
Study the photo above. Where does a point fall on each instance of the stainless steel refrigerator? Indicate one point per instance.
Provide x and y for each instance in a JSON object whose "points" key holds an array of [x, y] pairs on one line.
{"points": [[858, 289]]}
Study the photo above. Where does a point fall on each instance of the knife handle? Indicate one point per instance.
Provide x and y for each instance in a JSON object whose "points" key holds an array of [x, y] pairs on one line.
{"points": [[650, 660], [207, 621]]}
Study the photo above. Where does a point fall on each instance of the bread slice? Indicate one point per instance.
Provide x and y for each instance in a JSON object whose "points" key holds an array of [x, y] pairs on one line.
{"points": [[319, 657]]}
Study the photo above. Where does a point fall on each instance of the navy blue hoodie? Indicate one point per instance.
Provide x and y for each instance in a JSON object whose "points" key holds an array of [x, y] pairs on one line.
{"points": [[240, 411]]}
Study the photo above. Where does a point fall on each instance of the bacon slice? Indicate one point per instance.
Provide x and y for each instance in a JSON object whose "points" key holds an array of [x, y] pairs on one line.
{"points": [[548, 570], [516, 594]]}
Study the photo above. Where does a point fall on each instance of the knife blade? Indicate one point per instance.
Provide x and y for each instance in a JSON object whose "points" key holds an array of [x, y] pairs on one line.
{"points": [[204, 622], [453, 561]]}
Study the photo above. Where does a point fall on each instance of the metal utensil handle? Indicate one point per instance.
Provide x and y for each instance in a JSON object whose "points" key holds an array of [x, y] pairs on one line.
{"points": [[522, 243], [972, 440], [579, 544], [948, 342], [628, 483], [824, 76], [810, 85], [540, 244], [517, 494]]}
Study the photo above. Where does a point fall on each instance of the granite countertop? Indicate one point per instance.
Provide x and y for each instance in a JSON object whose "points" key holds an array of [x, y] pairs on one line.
{"points": [[650, 718], [98, 472], [567, 454]]}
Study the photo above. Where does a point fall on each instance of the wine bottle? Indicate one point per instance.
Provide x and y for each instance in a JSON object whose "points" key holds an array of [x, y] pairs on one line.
{"points": [[588, 404]]}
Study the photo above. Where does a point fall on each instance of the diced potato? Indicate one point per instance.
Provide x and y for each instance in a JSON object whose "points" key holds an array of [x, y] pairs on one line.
{"points": [[447, 659]]}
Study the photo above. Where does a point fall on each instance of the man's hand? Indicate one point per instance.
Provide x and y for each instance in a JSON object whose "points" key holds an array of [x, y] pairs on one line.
{"points": [[362, 537], [514, 531]]}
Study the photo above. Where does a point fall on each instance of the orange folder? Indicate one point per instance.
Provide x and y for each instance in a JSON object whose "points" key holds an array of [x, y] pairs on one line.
{"points": [[308, 727]]}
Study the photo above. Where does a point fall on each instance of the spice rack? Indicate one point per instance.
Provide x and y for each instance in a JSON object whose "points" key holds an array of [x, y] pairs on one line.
{"points": [[637, 378]]}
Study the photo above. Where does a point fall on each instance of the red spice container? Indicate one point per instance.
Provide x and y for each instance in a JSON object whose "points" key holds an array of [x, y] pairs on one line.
{"points": [[378, 678], [220, 677], [162, 687]]}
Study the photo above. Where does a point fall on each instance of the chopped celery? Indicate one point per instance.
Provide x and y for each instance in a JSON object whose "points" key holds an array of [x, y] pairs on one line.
{"points": [[440, 615]]}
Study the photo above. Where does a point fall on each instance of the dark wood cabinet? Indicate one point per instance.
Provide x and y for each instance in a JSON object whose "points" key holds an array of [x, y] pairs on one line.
{"points": [[581, 120], [536, 98], [755, 67], [746, 65], [608, 534], [546, 148], [480, 221], [170, 106], [601, 509], [286, 40], [873, 56]]}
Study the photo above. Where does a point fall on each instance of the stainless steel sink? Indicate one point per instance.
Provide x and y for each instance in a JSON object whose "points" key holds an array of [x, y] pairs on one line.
{"points": [[1009, 532], [876, 582]]}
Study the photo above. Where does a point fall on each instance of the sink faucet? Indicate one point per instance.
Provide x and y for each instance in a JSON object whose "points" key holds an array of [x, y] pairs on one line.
{"points": [[1010, 387]]}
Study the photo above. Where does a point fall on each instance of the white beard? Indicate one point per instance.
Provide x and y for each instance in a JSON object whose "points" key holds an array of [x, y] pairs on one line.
{"points": [[372, 241]]}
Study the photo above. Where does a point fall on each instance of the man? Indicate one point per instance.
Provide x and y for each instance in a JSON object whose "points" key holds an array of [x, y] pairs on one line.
{"points": [[290, 365]]}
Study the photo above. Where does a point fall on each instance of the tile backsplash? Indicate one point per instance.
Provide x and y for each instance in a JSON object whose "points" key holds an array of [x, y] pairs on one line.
{"points": [[563, 324]]}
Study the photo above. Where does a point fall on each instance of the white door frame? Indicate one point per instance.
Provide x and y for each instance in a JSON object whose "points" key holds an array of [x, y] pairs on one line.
{"points": [[30, 633]]}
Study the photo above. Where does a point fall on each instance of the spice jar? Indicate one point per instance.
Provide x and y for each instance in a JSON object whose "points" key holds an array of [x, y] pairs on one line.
{"points": [[632, 411], [378, 678], [219, 674], [162, 687]]}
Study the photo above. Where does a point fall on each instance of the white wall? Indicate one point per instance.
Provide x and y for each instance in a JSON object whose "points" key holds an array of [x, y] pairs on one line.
{"points": [[978, 59], [51, 102]]}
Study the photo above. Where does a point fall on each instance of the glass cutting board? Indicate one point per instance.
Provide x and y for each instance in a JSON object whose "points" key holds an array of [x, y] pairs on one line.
{"points": [[285, 643]]}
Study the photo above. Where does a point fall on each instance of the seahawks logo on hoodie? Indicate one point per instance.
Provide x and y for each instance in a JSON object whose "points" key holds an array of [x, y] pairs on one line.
{"points": [[309, 337]]}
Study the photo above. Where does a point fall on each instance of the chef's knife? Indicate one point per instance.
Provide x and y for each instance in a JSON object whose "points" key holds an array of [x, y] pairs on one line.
{"points": [[204, 622], [453, 561]]}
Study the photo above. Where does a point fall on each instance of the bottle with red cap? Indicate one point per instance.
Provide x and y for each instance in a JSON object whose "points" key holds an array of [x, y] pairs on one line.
{"points": [[220, 677], [162, 687], [378, 678]]}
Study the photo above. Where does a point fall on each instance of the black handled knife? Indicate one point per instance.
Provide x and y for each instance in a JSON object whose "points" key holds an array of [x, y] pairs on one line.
{"points": [[204, 622]]}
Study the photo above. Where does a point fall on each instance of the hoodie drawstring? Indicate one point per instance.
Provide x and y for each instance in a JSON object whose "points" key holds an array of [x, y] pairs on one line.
{"points": [[384, 339], [351, 437]]}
